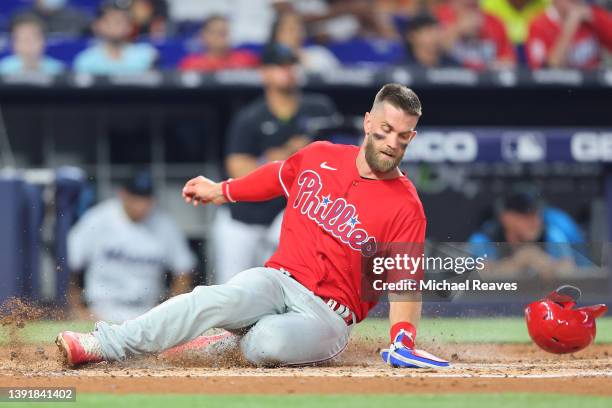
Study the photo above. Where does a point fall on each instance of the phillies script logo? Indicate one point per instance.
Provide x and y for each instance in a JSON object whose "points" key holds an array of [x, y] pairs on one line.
{"points": [[335, 216]]}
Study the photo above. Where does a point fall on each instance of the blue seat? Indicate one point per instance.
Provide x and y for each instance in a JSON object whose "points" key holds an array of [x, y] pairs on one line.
{"points": [[373, 51], [66, 49], [8, 7], [91, 6], [171, 52]]}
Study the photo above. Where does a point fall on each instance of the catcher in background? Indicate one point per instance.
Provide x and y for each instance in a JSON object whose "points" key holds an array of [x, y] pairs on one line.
{"points": [[300, 307]]}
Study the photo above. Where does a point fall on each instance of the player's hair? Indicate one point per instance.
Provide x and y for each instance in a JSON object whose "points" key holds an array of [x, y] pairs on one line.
{"points": [[27, 18], [400, 97]]}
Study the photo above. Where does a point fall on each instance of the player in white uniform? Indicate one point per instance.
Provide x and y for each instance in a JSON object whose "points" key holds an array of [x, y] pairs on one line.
{"points": [[124, 245]]}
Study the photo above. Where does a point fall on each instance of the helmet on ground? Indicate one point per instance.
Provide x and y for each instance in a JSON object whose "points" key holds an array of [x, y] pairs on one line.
{"points": [[557, 327]]}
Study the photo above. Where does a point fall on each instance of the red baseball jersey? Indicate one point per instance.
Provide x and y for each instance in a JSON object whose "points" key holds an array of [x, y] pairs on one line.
{"points": [[331, 213], [585, 49], [493, 43]]}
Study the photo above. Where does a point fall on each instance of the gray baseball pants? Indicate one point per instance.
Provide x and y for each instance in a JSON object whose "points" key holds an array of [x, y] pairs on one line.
{"points": [[287, 324]]}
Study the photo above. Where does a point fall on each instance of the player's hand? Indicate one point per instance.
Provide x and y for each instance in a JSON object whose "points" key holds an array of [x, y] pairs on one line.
{"points": [[400, 355], [200, 190]]}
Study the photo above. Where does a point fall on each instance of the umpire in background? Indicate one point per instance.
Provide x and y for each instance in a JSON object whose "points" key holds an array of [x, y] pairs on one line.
{"points": [[273, 127]]}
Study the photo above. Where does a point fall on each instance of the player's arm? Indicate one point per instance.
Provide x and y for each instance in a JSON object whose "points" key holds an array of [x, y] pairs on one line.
{"points": [[405, 307], [404, 314], [264, 183]]}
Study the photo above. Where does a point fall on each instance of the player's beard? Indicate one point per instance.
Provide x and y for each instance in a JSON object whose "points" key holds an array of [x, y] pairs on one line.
{"points": [[377, 160]]}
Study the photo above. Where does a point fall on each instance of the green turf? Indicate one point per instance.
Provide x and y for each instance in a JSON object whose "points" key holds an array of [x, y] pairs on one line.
{"points": [[477, 330], [460, 330], [323, 401]]}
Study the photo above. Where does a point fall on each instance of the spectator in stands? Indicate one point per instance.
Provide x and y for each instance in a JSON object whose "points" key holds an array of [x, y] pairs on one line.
{"points": [[340, 20], [536, 237], [115, 54], [271, 128], [250, 20], [423, 43], [120, 250], [28, 37], [150, 18], [59, 18], [475, 38], [400, 12], [516, 15], [217, 53], [569, 34], [288, 30]]}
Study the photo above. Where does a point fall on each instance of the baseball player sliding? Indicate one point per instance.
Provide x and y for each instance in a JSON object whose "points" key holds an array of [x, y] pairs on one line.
{"points": [[300, 307]]}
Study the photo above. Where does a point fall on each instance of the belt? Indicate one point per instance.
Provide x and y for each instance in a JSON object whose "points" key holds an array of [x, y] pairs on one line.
{"points": [[343, 311]]}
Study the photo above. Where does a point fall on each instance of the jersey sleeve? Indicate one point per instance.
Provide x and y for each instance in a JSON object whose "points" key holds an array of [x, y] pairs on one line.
{"points": [[288, 172], [268, 181], [261, 184]]}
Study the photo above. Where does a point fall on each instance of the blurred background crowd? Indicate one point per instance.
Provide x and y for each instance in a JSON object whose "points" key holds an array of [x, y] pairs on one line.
{"points": [[132, 36]]}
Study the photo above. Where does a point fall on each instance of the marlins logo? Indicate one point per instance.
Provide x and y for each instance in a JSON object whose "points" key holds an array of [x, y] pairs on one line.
{"points": [[337, 217]]}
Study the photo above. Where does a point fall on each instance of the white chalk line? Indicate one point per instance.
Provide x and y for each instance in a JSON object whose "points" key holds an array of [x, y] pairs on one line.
{"points": [[395, 374]]}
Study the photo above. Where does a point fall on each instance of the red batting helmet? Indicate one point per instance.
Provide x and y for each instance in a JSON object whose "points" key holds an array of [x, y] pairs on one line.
{"points": [[556, 327]]}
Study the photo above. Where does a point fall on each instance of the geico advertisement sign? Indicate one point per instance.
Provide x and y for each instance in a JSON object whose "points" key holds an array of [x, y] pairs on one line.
{"points": [[443, 146], [592, 146]]}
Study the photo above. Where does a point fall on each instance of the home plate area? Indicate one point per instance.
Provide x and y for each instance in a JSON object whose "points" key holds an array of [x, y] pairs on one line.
{"points": [[476, 368]]}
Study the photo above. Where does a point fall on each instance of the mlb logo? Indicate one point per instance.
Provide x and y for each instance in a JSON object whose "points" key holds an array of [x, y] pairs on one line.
{"points": [[523, 147]]}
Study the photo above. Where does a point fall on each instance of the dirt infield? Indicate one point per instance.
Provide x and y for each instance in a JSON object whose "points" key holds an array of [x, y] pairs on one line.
{"points": [[477, 368]]}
